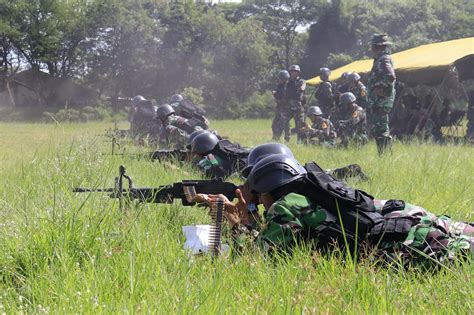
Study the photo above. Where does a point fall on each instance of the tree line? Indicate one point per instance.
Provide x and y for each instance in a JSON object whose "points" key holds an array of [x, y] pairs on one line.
{"points": [[224, 56]]}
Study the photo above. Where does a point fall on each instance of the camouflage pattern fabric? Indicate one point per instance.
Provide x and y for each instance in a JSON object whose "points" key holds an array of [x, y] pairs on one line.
{"points": [[360, 92], [281, 121], [325, 97], [322, 132], [381, 95], [172, 133], [353, 129], [214, 166], [430, 242], [294, 94]]}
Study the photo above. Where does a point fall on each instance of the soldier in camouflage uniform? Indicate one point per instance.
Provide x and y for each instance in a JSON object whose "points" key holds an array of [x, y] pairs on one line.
{"points": [[358, 89], [142, 120], [404, 235], [324, 94], [281, 121], [381, 92], [295, 90], [354, 127], [321, 131], [175, 129]]}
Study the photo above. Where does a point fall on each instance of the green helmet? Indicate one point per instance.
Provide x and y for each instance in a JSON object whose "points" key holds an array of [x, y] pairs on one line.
{"points": [[193, 135], [380, 40], [314, 110], [138, 99], [347, 98], [354, 77], [164, 111]]}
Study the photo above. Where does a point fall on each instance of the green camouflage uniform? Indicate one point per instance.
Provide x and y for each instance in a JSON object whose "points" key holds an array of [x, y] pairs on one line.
{"points": [[431, 241], [325, 97], [172, 133], [294, 95], [323, 130], [360, 92], [281, 121], [382, 76], [355, 128]]}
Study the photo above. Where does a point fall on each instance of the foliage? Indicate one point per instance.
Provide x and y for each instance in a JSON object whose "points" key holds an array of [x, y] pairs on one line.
{"points": [[230, 52], [68, 253]]}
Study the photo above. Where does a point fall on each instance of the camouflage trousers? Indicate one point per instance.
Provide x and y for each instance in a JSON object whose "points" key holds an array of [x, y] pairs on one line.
{"points": [[172, 137], [379, 127], [281, 123], [432, 241]]}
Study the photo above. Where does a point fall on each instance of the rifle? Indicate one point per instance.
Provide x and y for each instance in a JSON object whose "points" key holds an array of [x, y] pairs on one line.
{"points": [[163, 155], [184, 190]]}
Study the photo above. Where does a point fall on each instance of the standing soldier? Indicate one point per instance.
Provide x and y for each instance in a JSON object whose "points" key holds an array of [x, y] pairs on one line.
{"points": [[381, 91], [354, 127], [322, 129], [358, 89], [295, 90], [324, 94], [281, 122]]}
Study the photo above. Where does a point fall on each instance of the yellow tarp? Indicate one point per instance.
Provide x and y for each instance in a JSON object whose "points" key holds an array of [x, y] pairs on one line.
{"points": [[432, 57]]}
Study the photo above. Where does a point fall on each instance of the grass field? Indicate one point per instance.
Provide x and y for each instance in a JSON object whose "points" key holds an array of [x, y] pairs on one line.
{"points": [[67, 253]]}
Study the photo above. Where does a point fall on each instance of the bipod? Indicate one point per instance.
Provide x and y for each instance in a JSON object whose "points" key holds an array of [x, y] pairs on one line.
{"points": [[119, 185]]}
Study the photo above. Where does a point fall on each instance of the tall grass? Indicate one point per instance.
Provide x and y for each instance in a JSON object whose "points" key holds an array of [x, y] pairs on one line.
{"points": [[62, 252]]}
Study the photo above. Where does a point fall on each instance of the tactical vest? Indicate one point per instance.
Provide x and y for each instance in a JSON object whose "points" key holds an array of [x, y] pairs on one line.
{"points": [[353, 208], [233, 152]]}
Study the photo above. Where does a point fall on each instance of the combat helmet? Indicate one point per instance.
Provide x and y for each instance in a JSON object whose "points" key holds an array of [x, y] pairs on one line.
{"points": [[204, 143], [294, 68], [193, 135], [283, 75], [380, 40], [324, 72], [264, 150], [138, 99], [347, 98], [314, 110], [177, 98], [164, 111], [354, 77], [274, 171]]}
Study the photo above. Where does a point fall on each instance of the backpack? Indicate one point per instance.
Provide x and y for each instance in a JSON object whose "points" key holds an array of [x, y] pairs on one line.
{"points": [[233, 152], [353, 208]]}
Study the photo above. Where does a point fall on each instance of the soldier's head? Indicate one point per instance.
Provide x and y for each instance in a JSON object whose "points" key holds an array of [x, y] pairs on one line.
{"points": [[314, 113], [139, 100], [283, 76], [354, 78], [347, 100], [192, 136], [177, 98], [324, 74], [164, 111], [294, 71], [204, 143], [379, 43], [275, 176], [345, 77], [261, 151]]}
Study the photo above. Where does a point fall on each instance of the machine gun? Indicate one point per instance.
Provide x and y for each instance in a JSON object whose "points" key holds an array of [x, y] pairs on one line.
{"points": [[185, 190]]}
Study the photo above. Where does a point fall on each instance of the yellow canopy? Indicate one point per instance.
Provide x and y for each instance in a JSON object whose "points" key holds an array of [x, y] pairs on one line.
{"points": [[426, 64]]}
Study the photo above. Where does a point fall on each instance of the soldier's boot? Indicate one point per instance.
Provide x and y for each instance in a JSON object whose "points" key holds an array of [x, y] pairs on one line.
{"points": [[384, 144]]}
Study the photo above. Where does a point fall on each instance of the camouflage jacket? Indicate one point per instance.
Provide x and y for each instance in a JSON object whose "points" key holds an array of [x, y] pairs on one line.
{"points": [[431, 240], [382, 76], [323, 130], [215, 166], [295, 89], [360, 92], [325, 96], [357, 122]]}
